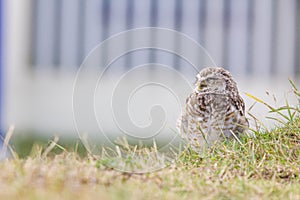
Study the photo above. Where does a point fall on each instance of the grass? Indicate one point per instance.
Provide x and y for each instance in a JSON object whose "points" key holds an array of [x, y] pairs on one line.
{"points": [[266, 166]]}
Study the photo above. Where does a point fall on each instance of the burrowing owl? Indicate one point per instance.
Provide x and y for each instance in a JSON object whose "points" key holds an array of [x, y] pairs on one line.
{"points": [[214, 110]]}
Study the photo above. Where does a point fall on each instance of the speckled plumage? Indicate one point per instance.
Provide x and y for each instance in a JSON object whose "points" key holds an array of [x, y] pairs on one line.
{"points": [[214, 110]]}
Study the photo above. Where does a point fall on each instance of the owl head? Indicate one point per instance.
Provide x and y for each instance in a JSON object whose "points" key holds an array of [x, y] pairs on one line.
{"points": [[214, 79]]}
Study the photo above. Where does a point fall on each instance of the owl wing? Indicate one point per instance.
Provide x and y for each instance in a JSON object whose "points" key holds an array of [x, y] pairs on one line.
{"points": [[183, 120], [235, 117]]}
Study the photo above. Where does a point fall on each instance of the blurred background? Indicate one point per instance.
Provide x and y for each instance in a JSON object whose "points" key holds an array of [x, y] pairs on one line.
{"points": [[43, 43]]}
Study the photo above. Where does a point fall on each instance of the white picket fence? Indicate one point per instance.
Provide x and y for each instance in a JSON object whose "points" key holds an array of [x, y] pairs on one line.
{"points": [[47, 41]]}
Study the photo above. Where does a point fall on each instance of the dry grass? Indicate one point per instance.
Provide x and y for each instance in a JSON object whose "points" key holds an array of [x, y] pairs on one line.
{"points": [[266, 166]]}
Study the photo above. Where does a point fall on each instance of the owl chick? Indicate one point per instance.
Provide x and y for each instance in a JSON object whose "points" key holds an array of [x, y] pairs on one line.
{"points": [[214, 111]]}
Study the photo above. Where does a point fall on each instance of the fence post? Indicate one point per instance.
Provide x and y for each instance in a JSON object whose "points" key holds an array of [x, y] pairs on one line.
{"points": [[1, 67]]}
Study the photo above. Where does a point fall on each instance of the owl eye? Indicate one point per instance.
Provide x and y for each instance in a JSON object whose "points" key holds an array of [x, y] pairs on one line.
{"points": [[202, 85], [211, 79]]}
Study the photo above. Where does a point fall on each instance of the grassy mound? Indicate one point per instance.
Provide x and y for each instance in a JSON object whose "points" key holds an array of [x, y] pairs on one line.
{"points": [[264, 167]]}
